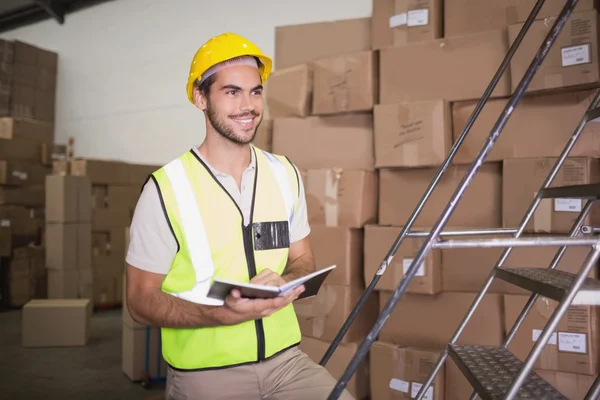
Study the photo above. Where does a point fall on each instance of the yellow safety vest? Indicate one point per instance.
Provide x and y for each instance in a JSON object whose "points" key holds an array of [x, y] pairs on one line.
{"points": [[213, 242]]}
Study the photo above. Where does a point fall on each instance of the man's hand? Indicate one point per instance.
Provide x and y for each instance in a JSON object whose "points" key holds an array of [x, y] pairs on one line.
{"points": [[269, 278], [238, 309]]}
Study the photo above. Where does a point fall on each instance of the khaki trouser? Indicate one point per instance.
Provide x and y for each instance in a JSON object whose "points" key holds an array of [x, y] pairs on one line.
{"points": [[290, 375]]}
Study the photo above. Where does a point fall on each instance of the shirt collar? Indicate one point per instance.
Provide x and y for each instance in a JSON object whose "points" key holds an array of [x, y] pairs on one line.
{"points": [[250, 167]]}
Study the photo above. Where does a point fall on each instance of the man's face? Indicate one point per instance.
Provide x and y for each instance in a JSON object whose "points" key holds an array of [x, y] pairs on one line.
{"points": [[235, 104]]}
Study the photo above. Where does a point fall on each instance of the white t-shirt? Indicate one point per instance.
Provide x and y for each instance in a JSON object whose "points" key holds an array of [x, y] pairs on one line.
{"points": [[152, 245]]}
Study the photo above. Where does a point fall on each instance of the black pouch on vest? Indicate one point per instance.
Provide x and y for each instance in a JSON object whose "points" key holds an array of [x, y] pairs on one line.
{"points": [[271, 235]]}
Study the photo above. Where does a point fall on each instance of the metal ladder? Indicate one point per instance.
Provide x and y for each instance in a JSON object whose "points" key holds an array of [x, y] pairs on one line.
{"points": [[494, 372]]}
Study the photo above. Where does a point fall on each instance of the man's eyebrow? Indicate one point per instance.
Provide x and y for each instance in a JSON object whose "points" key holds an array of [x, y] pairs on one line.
{"points": [[259, 87], [234, 87]]}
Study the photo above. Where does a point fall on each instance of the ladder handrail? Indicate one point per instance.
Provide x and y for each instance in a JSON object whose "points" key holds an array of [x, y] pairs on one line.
{"points": [[405, 231]]}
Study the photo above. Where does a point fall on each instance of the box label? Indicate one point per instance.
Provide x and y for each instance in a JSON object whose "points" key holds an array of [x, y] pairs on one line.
{"points": [[418, 17], [535, 334], [568, 205], [572, 342], [4, 223], [415, 391], [399, 385], [397, 20], [575, 55], [406, 265]]}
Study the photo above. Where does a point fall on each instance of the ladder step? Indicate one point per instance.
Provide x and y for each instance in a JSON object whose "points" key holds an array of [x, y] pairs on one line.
{"points": [[590, 191], [551, 283], [491, 370]]}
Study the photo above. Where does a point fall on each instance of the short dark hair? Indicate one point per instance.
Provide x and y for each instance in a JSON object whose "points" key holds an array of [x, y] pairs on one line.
{"points": [[204, 86]]}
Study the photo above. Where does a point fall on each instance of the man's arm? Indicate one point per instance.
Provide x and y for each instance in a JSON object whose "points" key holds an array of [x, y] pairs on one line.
{"points": [[301, 260]]}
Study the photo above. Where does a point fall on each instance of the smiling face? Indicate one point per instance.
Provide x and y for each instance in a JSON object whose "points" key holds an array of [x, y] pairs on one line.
{"points": [[233, 103]]}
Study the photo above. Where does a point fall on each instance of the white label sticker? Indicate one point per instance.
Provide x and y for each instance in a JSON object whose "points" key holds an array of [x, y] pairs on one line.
{"points": [[572, 342], [20, 175], [399, 385], [397, 20], [4, 223], [575, 55], [418, 17], [415, 391], [568, 205], [406, 265], [535, 334]]}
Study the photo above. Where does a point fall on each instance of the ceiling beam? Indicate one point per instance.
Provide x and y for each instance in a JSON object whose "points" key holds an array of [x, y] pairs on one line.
{"points": [[53, 9]]}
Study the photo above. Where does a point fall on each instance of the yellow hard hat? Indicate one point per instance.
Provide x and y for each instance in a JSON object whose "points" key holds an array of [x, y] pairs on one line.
{"points": [[221, 48]]}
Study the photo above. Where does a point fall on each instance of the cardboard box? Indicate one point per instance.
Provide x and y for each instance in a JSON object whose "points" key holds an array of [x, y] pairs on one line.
{"points": [[44, 323], [323, 315], [573, 59], [452, 69], [326, 39], [20, 150], [397, 373], [138, 174], [340, 198], [53, 152], [70, 283], [20, 173], [358, 385], [105, 219], [27, 278], [342, 247], [31, 196], [479, 207], [548, 119], [69, 246], [102, 172], [264, 135], [464, 17], [378, 242], [108, 279], [412, 134], [68, 199], [430, 321], [133, 353], [22, 129], [572, 348], [21, 220], [344, 141], [523, 178], [572, 386], [345, 83], [111, 243], [401, 22], [289, 92], [123, 196]]}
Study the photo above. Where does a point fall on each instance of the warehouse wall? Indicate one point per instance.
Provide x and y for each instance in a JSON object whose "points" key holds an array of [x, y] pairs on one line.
{"points": [[123, 67]]}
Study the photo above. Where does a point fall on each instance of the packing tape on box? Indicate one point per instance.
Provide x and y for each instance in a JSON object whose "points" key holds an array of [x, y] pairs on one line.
{"points": [[542, 216], [338, 87], [331, 203], [316, 310]]}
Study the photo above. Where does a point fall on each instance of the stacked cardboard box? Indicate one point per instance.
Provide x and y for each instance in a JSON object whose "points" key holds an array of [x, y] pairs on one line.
{"points": [[27, 91], [320, 99], [114, 189]]}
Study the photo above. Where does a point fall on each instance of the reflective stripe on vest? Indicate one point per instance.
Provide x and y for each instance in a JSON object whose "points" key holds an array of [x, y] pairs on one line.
{"points": [[193, 226]]}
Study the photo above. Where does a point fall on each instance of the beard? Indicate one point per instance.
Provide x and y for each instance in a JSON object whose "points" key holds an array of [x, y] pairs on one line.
{"points": [[219, 123]]}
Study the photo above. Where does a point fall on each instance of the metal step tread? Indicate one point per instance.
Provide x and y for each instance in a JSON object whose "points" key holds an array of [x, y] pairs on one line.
{"points": [[551, 283], [589, 191], [491, 370]]}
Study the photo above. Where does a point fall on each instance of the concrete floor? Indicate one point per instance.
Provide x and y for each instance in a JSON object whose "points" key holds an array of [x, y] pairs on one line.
{"points": [[90, 373]]}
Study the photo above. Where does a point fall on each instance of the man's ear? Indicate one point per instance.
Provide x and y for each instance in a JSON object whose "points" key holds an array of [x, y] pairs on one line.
{"points": [[200, 100]]}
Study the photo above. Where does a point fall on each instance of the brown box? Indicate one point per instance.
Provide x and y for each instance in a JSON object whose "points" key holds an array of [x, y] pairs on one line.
{"points": [[345, 83], [289, 92], [44, 323], [34, 131], [103, 172], [110, 243], [20, 150], [572, 348], [53, 153], [68, 246], [397, 373], [133, 353], [379, 240], [401, 22], [326, 39], [137, 174], [105, 219], [123, 196], [68, 199], [430, 321], [264, 136], [70, 284], [549, 121], [323, 315], [412, 134], [342, 247], [20, 173], [358, 385], [5, 238], [572, 386], [22, 221], [27, 196], [344, 141], [479, 207], [572, 60], [523, 178], [452, 69], [337, 197]]}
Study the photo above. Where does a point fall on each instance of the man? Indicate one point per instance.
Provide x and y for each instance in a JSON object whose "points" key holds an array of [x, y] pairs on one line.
{"points": [[225, 209]]}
